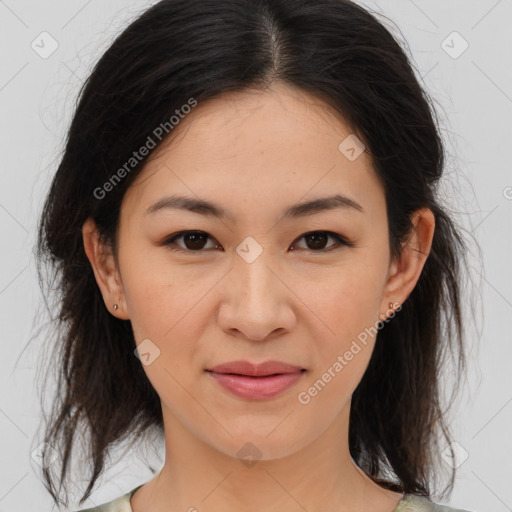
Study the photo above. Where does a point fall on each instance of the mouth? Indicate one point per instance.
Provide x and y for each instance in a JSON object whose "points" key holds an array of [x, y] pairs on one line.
{"points": [[264, 369], [302, 370], [256, 382]]}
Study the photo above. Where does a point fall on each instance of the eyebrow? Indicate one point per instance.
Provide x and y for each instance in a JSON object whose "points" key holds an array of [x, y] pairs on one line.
{"points": [[210, 209]]}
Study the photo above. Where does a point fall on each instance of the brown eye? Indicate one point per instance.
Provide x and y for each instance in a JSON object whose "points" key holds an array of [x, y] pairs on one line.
{"points": [[194, 241], [316, 240]]}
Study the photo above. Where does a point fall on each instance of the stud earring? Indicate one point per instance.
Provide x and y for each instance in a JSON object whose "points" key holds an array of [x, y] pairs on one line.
{"points": [[115, 307]]}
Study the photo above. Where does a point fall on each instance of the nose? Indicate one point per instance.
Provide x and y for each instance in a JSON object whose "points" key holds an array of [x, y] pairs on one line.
{"points": [[257, 302]]}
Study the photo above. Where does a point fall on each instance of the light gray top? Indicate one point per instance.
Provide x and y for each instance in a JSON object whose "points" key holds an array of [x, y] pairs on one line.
{"points": [[408, 503]]}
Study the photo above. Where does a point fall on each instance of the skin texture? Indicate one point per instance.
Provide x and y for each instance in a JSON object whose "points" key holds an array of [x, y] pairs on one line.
{"points": [[256, 153]]}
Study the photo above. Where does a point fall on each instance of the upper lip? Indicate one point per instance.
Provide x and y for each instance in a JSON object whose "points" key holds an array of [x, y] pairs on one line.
{"points": [[255, 370]]}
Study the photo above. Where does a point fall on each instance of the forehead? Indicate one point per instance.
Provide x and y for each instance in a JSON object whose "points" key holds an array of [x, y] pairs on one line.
{"points": [[273, 146], [252, 119]]}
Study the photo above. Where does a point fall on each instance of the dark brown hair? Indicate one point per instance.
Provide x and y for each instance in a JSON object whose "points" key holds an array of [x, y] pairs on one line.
{"points": [[181, 49]]}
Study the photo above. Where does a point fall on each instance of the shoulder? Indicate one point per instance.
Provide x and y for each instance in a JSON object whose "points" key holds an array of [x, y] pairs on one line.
{"points": [[413, 503], [120, 504], [410, 503]]}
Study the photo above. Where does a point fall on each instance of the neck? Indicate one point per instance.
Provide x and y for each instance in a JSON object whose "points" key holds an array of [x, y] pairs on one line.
{"points": [[239, 475]]}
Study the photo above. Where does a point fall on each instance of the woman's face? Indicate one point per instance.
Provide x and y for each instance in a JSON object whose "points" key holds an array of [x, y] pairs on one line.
{"points": [[251, 286]]}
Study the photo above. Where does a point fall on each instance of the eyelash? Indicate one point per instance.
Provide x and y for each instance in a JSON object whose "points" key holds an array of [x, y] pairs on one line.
{"points": [[169, 242]]}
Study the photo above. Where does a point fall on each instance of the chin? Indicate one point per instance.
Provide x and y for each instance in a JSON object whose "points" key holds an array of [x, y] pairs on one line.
{"points": [[269, 444]]}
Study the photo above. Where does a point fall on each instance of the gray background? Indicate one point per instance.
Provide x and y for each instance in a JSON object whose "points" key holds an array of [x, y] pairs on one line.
{"points": [[473, 91]]}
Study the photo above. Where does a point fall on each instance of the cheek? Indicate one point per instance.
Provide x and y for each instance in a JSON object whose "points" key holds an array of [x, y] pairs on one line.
{"points": [[159, 295], [165, 307], [348, 301], [348, 306], [169, 306]]}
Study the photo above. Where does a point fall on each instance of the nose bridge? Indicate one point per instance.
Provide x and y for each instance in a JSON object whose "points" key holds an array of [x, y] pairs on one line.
{"points": [[254, 299], [251, 268]]}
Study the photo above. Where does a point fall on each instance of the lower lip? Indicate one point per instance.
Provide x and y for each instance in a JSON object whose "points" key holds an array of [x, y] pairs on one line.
{"points": [[256, 388]]}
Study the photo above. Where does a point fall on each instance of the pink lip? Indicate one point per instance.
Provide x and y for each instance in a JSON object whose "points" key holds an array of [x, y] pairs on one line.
{"points": [[256, 382], [255, 370]]}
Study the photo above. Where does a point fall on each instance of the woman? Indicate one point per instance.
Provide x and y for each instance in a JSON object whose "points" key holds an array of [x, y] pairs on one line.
{"points": [[252, 258]]}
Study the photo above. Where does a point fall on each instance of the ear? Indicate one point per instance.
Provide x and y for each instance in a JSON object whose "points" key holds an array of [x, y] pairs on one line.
{"points": [[105, 270], [404, 273]]}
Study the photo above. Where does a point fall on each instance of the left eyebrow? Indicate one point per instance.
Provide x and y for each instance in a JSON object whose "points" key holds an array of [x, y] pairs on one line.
{"points": [[322, 204], [204, 207]]}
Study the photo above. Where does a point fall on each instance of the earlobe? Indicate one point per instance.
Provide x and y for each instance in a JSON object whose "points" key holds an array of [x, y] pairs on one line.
{"points": [[405, 272], [105, 270]]}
